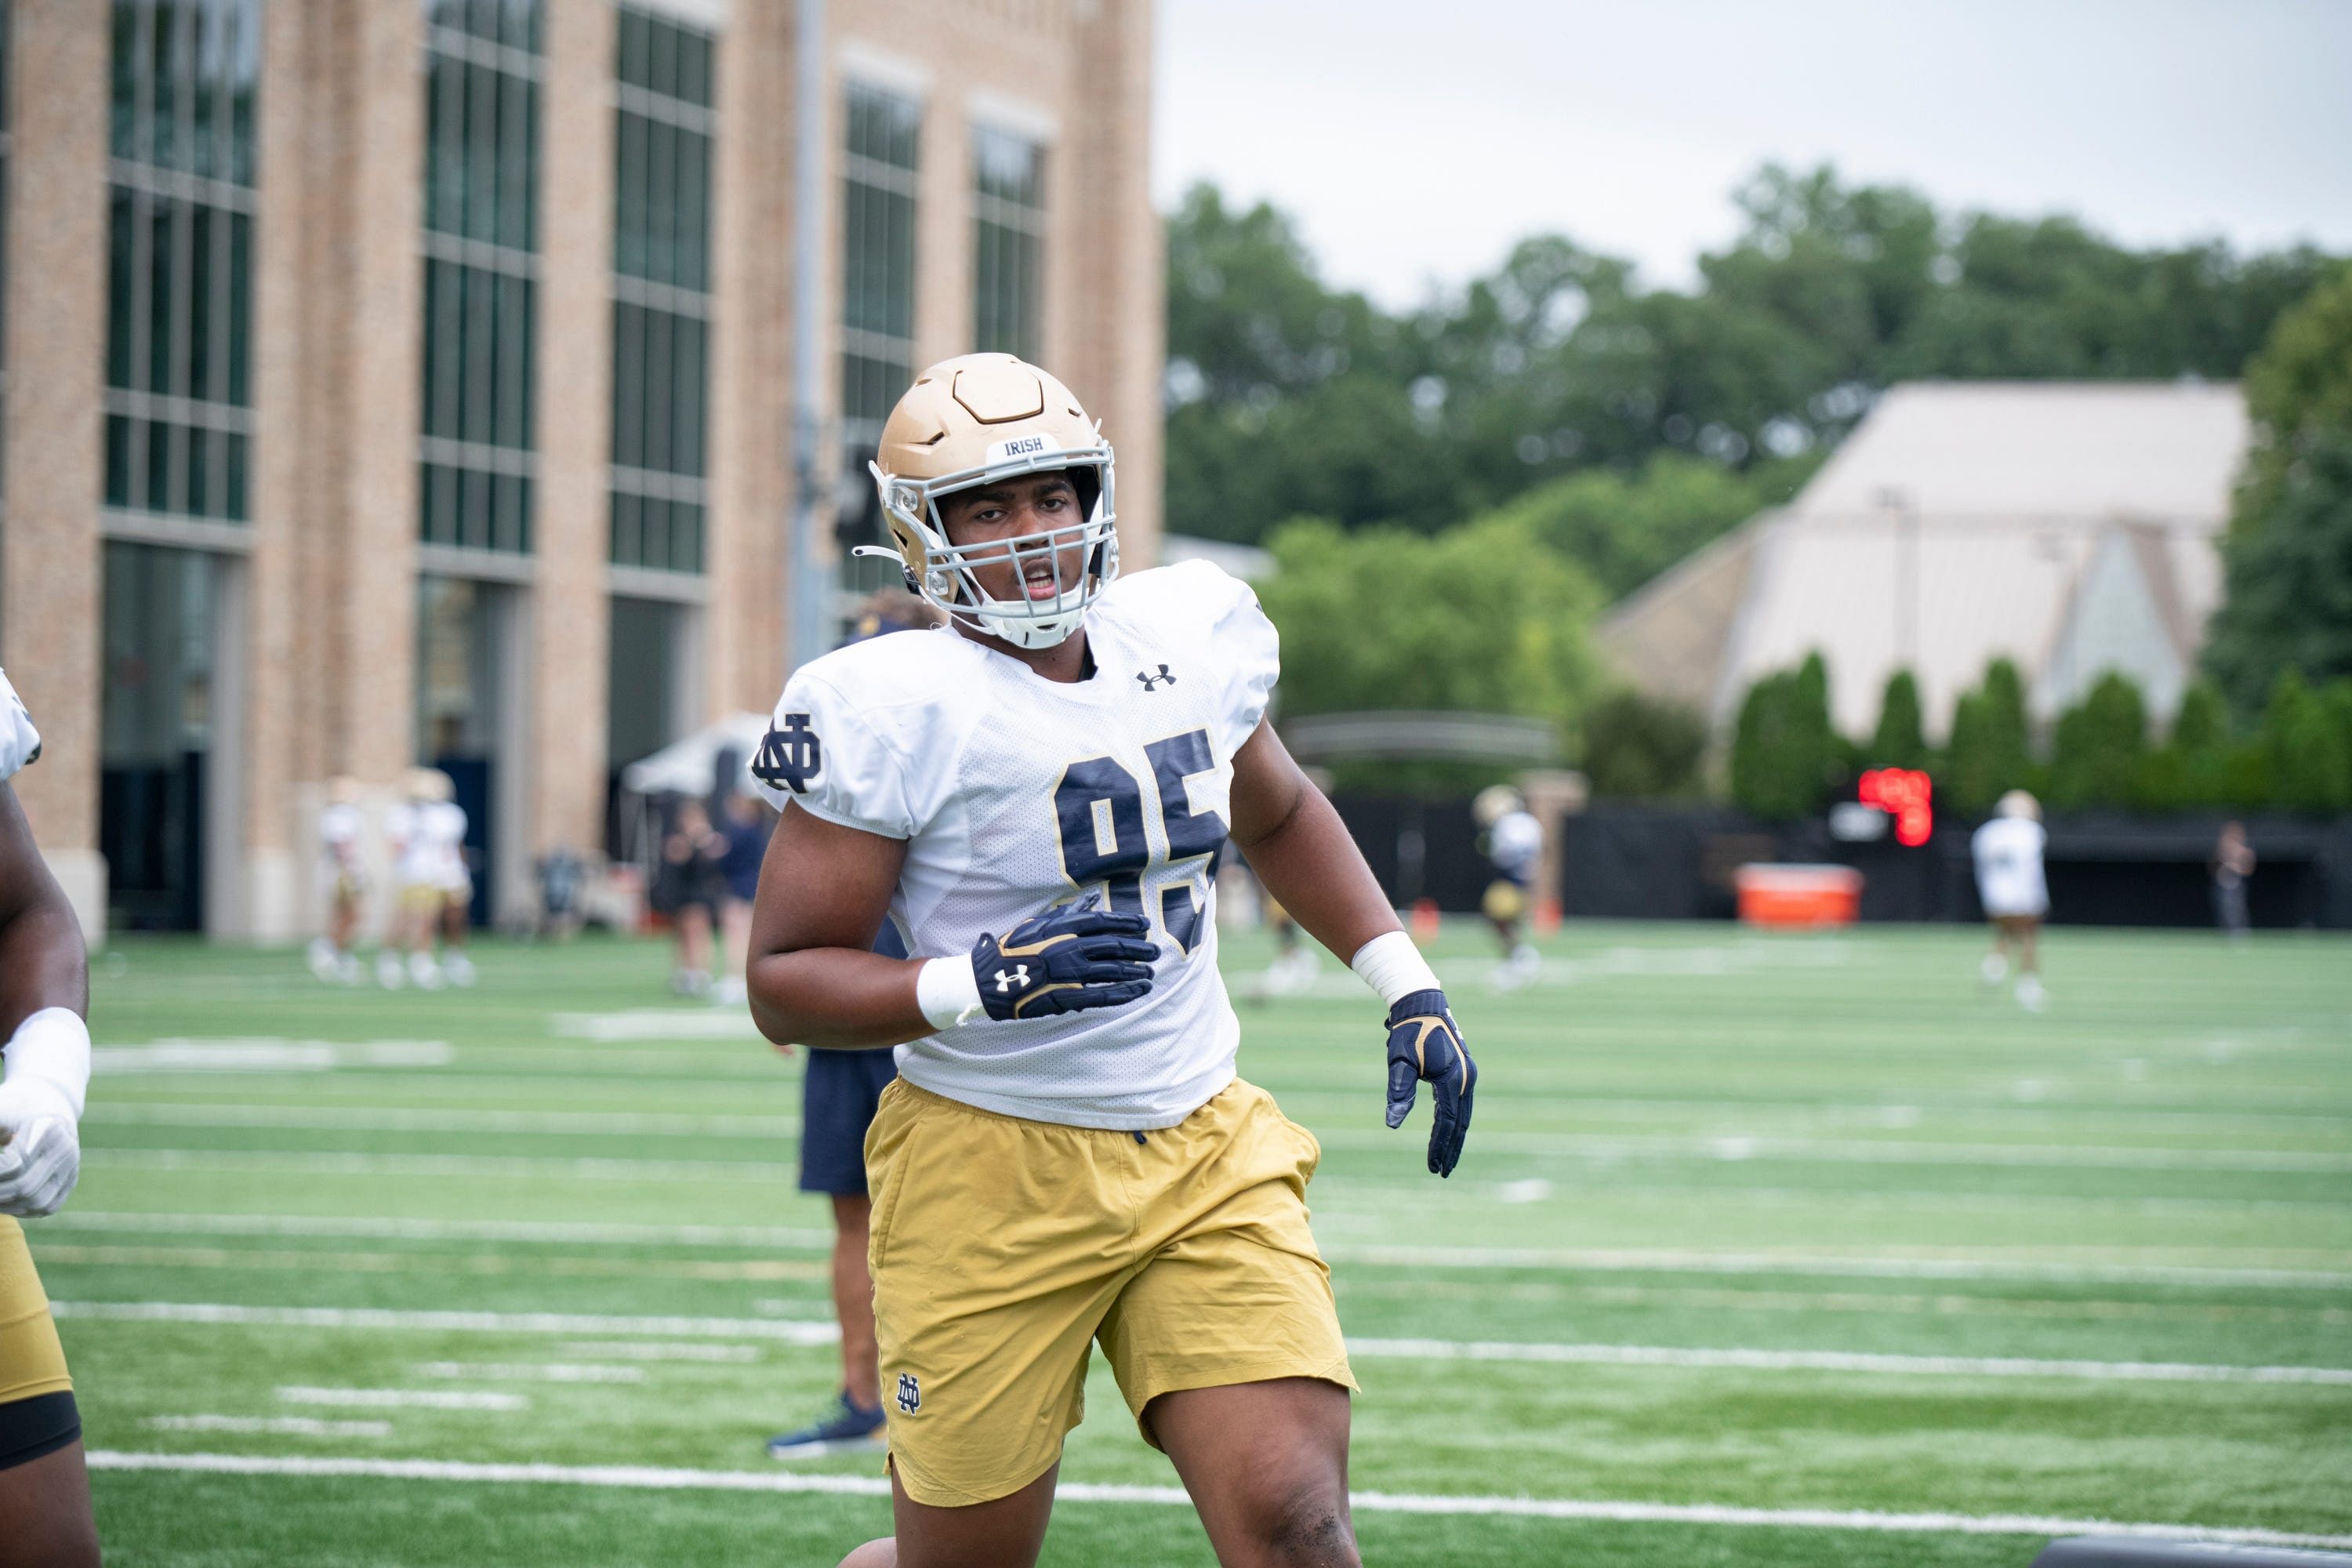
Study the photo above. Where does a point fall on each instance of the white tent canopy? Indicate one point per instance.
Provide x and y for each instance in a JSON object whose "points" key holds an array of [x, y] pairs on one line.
{"points": [[689, 766]]}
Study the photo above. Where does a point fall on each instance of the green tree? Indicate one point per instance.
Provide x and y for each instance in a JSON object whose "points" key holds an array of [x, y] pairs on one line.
{"points": [[1897, 742], [1638, 749], [1986, 753], [1288, 397], [2288, 563], [2310, 761], [1783, 749], [1625, 529], [2191, 768], [2100, 745], [1481, 618]]}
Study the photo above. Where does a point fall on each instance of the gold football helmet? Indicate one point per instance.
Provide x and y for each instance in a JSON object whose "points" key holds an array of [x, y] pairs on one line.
{"points": [[974, 420]]}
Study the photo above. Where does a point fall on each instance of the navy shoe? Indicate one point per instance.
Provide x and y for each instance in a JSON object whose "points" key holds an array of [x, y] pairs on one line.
{"points": [[849, 1429]]}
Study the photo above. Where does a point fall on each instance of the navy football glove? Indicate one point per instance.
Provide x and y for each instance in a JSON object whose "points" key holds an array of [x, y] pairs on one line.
{"points": [[1064, 960], [1425, 1042]]}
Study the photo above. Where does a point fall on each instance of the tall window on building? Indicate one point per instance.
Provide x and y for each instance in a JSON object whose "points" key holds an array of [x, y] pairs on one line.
{"points": [[478, 456], [1008, 203], [661, 292], [878, 300], [179, 393]]}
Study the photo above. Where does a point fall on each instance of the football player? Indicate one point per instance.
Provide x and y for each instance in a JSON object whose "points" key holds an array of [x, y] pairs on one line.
{"points": [[1515, 842], [2015, 894], [1036, 799], [44, 994]]}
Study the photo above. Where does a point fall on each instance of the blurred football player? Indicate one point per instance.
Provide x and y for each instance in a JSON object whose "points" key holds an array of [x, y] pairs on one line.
{"points": [[444, 826], [344, 871], [2010, 884], [45, 1512], [1036, 799], [1515, 841], [417, 892]]}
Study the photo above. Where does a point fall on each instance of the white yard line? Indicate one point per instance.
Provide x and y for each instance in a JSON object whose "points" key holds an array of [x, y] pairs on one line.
{"points": [[654, 1023], [646, 1478], [1842, 1360], [402, 1398], [656, 1350], [270, 1426], [1629, 1260], [1593, 1260], [1736, 1148], [594, 1169], [529, 1372], [573, 1324], [267, 1053], [819, 1333], [395, 1118], [751, 1236]]}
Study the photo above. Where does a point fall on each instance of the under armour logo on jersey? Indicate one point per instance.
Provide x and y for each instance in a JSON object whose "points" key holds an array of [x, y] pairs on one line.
{"points": [[790, 757], [1007, 979], [910, 1392], [1151, 682]]}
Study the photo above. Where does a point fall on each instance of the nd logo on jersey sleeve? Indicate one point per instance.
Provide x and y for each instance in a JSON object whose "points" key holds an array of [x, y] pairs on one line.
{"points": [[790, 755]]}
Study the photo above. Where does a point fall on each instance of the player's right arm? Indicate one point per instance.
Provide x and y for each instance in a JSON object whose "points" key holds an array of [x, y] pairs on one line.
{"points": [[813, 978], [43, 997], [852, 804]]}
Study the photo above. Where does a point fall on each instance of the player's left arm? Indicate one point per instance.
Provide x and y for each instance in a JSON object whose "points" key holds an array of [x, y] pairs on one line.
{"points": [[1293, 838], [44, 998]]}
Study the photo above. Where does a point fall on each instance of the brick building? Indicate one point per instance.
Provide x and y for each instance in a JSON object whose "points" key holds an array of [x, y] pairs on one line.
{"points": [[395, 380]]}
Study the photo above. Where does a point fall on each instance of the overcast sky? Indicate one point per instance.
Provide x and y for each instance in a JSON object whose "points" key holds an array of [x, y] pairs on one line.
{"points": [[1414, 139]]}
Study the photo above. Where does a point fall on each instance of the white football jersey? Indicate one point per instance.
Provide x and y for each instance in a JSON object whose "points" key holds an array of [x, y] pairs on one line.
{"points": [[339, 832], [443, 824], [1515, 843], [2008, 852], [19, 742], [1015, 794]]}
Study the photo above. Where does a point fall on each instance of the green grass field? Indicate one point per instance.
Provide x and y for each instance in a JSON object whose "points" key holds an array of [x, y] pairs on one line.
{"points": [[1794, 1250]]}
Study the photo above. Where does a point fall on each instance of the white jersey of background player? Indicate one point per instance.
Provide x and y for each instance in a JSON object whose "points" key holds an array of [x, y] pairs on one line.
{"points": [[2008, 852], [953, 749]]}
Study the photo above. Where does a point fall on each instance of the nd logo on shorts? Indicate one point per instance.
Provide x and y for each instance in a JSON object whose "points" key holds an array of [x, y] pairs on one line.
{"points": [[910, 1392]]}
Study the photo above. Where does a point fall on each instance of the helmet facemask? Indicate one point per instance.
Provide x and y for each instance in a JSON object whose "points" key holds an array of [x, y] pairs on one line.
{"points": [[946, 575]]}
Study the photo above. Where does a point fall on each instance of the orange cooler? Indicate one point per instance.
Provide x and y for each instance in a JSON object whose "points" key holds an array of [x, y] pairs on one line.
{"points": [[1802, 896]]}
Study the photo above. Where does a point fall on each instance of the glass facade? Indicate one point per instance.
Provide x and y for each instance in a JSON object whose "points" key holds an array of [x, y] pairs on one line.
{"points": [[661, 291], [878, 301], [1008, 199], [478, 449], [180, 177]]}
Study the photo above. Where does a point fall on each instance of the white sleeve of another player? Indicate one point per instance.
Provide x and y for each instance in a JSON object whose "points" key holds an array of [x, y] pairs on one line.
{"points": [[824, 757], [19, 742]]}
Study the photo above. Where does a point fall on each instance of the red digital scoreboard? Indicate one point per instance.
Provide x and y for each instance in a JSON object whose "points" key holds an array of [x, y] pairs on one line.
{"points": [[1906, 796]]}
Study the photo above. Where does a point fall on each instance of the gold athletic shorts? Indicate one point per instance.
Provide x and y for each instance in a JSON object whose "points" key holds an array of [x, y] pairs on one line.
{"points": [[1002, 1249], [31, 1360], [1506, 900]]}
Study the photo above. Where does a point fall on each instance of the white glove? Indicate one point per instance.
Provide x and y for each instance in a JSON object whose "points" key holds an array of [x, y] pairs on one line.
{"points": [[40, 1105]]}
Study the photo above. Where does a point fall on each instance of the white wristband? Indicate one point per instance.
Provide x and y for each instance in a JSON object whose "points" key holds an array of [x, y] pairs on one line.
{"points": [[947, 991], [52, 1046], [1392, 966]]}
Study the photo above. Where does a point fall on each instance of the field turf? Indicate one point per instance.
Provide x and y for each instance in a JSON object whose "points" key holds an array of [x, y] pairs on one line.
{"points": [[1796, 1250]]}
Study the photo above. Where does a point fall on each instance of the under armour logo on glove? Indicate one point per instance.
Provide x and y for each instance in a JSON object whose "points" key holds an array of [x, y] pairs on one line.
{"points": [[789, 757], [1078, 956], [1425, 1042], [1152, 682]]}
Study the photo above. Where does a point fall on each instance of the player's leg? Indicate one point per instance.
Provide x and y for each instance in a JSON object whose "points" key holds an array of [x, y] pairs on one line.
{"points": [[1267, 1464], [1228, 1339], [1005, 1533], [45, 1515], [46, 1501], [839, 1093], [852, 1296]]}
